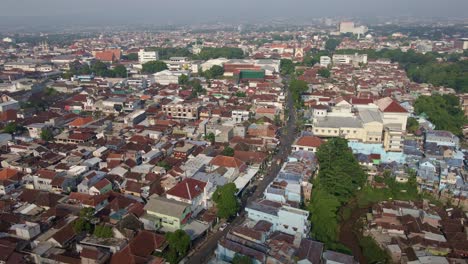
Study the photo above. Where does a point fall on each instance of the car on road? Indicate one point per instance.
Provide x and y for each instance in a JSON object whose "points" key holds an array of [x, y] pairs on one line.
{"points": [[223, 226]]}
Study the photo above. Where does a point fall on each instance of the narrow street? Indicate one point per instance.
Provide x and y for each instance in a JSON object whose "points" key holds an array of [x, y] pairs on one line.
{"points": [[206, 250]]}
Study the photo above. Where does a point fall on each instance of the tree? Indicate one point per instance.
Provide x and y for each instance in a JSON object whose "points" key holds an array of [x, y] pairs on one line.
{"points": [[226, 200], [287, 67], [443, 111], [214, 72], [323, 209], [324, 72], [197, 88], [47, 135], [154, 66], [241, 94], [10, 128], [179, 244], [84, 222], [103, 231], [210, 137], [228, 151], [164, 165], [183, 79], [241, 259], [340, 174], [297, 88], [225, 52], [120, 71], [332, 44], [131, 57], [412, 125]]}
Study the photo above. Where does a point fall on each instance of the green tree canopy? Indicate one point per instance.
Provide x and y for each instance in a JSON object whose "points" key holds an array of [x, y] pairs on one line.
{"points": [[225, 52], [297, 88], [214, 72], [324, 72], [120, 71], [287, 67], [131, 57], [154, 67], [442, 110], [332, 44], [228, 151], [103, 231], [412, 125], [47, 135], [11, 128], [179, 244], [210, 137], [226, 200], [241, 259], [183, 79], [340, 174], [323, 209]]}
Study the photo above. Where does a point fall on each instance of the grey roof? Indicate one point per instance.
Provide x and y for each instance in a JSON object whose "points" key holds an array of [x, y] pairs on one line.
{"points": [[338, 122], [368, 116], [338, 257], [263, 208], [166, 206]]}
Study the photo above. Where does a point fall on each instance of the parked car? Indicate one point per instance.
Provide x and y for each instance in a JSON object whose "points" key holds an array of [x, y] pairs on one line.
{"points": [[223, 226]]}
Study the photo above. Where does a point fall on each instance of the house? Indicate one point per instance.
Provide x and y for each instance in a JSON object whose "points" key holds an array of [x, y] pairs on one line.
{"points": [[89, 180], [93, 255], [101, 187], [63, 237], [167, 214], [332, 257], [307, 143], [43, 179], [284, 218], [442, 138], [141, 249], [191, 191], [8, 180], [427, 172]]}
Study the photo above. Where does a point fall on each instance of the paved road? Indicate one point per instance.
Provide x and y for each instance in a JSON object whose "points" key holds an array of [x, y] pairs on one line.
{"points": [[204, 252]]}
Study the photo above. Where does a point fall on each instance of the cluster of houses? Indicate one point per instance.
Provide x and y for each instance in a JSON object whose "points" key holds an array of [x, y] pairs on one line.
{"points": [[419, 232], [275, 228]]}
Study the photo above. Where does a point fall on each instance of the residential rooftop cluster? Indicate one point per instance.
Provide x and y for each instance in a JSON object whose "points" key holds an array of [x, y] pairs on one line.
{"points": [[132, 133]]}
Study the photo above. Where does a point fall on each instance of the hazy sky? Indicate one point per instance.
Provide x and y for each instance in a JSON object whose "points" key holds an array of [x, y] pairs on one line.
{"points": [[183, 11]]}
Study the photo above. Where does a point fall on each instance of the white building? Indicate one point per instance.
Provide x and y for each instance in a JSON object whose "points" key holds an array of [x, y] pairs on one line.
{"points": [[167, 77], [147, 56], [349, 27], [325, 61], [284, 218], [349, 58]]}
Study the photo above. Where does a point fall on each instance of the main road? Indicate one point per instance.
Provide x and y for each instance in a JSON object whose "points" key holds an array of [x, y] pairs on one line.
{"points": [[205, 251]]}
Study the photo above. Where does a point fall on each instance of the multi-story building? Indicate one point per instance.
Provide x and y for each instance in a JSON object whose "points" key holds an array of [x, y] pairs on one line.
{"points": [[349, 58], [147, 56], [182, 110], [284, 218]]}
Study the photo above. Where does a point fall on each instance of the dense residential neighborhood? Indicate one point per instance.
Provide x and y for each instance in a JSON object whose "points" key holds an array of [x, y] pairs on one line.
{"points": [[325, 144]]}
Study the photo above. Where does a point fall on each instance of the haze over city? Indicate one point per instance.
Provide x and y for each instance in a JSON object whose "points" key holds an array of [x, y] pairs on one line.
{"points": [[188, 11]]}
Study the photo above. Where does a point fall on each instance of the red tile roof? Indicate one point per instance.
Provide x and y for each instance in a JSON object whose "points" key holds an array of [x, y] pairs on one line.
{"points": [[102, 183], [188, 189], [309, 141], [8, 173], [394, 107], [81, 121], [228, 162]]}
